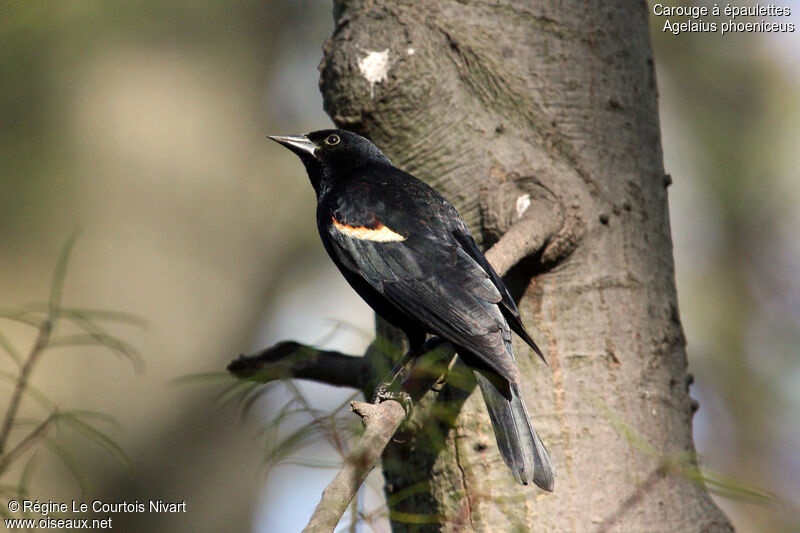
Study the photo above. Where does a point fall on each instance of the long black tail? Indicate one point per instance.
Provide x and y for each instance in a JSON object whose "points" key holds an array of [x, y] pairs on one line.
{"points": [[520, 446]]}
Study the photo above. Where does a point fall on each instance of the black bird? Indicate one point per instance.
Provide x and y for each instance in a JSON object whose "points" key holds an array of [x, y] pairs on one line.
{"points": [[407, 253]]}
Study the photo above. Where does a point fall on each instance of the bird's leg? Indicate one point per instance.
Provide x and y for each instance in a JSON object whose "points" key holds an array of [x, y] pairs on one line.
{"points": [[398, 374], [437, 387]]}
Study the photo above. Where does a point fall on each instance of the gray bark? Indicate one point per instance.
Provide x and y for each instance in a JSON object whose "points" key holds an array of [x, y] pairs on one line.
{"points": [[490, 101]]}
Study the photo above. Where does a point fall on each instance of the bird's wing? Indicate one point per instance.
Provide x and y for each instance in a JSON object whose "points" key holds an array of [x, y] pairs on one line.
{"points": [[507, 305], [432, 279]]}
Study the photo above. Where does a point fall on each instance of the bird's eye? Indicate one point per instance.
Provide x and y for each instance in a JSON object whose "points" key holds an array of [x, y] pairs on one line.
{"points": [[332, 139]]}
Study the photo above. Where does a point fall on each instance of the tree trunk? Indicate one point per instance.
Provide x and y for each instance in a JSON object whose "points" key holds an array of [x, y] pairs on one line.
{"points": [[500, 104]]}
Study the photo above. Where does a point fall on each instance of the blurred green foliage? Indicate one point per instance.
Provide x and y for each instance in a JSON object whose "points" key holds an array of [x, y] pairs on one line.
{"points": [[23, 438]]}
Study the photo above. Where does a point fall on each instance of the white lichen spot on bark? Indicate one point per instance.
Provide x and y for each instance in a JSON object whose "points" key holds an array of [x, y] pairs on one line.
{"points": [[523, 203], [410, 51], [374, 67]]}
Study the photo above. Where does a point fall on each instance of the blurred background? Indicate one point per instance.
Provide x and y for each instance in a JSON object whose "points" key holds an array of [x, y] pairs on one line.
{"points": [[142, 124]]}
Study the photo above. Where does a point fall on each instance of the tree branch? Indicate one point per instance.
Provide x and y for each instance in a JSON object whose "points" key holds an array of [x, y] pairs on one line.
{"points": [[538, 226], [381, 422], [289, 359]]}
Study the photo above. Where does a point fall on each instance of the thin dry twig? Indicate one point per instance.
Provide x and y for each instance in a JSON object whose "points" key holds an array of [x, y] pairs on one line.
{"points": [[381, 422]]}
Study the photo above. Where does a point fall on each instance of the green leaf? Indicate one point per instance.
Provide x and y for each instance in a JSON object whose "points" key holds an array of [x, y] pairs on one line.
{"points": [[77, 313], [67, 460], [235, 391], [730, 488], [60, 272], [294, 442], [314, 463], [9, 349], [412, 490], [96, 415], [271, 427], [97, 338], [27, 474], [339, 324], [202, 378], [414, 518], [684, 465], [9, 490], [248, 400], [96, 436], [21, 316]]}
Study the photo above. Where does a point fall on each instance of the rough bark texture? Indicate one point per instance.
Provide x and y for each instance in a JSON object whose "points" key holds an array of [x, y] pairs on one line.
{"points": [[501, 103]]}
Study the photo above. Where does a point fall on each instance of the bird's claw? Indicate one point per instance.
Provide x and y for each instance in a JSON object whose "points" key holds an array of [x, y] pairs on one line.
{"points": [[382, 393]]}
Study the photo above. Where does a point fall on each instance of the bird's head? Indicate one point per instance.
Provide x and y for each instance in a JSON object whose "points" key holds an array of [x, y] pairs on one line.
{"points": [[330, 155]]}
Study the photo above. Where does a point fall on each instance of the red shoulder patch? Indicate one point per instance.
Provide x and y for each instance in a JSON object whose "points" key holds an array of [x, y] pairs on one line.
{"points": [[378, 232]]}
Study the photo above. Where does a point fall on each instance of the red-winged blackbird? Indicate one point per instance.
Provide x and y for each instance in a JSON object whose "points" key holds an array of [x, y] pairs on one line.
{"points": [[409, 255]]}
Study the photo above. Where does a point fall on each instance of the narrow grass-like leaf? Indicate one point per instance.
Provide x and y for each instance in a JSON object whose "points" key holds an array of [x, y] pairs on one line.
{"points": [[294, 442], [298, 394], [24, 421], [105, 418], [630, 434], [684, 465], [412, 490], [67, 460], [7, 347], [284, 413], [60, 272], [96, 436], [730, 488], [249, 399], [22, 317], [202, 378], [234, 392], [313, 462], [415, 518], [327, 336], [9, 490], [27, 474], [341, 324], [77, 313], [119, 347], [337, 428], [387, 347]]}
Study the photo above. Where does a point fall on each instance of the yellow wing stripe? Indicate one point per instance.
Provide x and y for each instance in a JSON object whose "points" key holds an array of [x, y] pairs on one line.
{"points": [[379, 234]]}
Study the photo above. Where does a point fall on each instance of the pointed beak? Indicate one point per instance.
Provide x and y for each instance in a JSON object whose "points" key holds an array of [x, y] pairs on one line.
{"points": [[299, 144]]}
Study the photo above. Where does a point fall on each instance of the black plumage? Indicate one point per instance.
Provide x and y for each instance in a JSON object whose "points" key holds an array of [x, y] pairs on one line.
{"points": [[405, 250]]}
